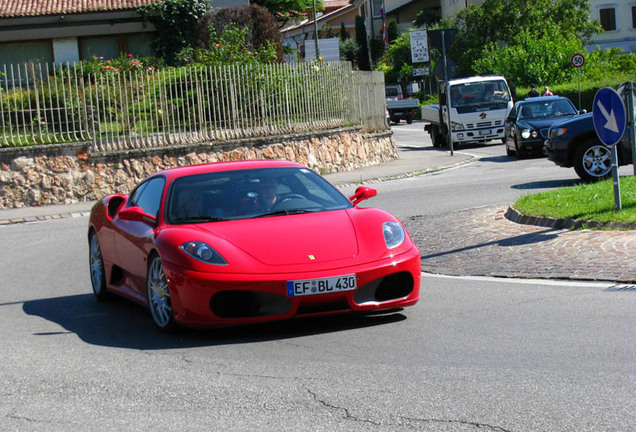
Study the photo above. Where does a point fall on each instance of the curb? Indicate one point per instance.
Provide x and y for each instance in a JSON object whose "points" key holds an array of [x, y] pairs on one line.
{"points": [[514, 215], [30, 219]]}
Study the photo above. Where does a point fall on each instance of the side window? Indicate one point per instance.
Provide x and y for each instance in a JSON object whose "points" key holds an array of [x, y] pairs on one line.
{"points": [[148, 195]]}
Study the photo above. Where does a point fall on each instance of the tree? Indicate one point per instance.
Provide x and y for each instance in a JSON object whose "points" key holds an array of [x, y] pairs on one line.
{"points": [[396, 62], [230, 46], [284, 10], [261, 25], [392, 31], [501, 21], [176, 22], [532, 56], [361, 39], [344, 34], [426, 18]]}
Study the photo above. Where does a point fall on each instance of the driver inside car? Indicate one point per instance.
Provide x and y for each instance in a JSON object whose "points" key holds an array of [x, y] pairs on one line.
{"points": [[267, 194]]}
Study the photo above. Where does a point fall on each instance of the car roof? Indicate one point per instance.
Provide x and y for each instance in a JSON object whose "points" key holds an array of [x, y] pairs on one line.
{"points": [[188, 170], [541, 99]]}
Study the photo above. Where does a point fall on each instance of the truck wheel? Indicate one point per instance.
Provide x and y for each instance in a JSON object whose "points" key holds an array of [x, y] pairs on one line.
{"points": [[592, 161], [409, 119]]}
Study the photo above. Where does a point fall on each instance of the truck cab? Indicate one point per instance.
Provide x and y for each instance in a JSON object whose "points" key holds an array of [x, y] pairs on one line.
{"points": [[476, 108]]}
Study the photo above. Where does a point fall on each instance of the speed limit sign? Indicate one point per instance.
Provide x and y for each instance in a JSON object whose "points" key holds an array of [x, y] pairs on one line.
{"points": [[577, 60]]}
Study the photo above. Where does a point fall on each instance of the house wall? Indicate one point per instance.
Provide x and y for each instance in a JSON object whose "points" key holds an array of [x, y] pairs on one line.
{"points": [[624, 36]]}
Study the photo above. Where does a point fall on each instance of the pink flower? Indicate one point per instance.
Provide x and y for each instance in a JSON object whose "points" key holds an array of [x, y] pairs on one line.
{"points": [[130, 55]]}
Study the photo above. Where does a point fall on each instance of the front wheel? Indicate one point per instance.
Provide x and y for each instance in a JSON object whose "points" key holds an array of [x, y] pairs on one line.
{"points": [[96, 262], [159, 296], [593, 161]]}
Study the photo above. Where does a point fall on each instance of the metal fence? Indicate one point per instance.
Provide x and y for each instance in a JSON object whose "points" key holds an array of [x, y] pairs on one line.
{"points": [[119, 110]]}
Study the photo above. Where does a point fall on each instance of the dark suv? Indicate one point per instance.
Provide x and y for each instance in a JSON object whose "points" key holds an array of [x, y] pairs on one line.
{"points": [[574, 143]]}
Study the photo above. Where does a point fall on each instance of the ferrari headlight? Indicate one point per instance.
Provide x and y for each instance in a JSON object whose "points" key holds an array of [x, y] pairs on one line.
{"points": [[525, 133], [203, 252], [393, 234]]}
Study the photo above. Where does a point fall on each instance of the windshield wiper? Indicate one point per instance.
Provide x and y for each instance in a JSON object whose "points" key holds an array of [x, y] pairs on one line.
{"points": [[285, 212], [194, 219]]}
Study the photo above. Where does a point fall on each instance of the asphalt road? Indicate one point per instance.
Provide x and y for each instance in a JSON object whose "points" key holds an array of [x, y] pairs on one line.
{"points": [[475, 353]]}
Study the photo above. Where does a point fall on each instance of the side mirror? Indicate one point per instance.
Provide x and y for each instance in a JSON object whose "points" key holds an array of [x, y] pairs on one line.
{"points": [[362, 193], [582, 111], [137, 214]]}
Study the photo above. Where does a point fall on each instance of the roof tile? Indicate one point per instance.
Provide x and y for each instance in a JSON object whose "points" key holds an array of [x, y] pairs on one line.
{"points": [[24, 8]]}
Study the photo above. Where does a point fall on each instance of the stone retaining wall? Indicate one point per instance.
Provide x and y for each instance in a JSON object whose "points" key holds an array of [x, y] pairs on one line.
{"points": [[68, 173]]}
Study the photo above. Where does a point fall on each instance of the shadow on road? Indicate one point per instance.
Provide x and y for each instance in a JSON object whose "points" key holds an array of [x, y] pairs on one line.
{"points": [[547, 184], [122, 324], [524, 239]]}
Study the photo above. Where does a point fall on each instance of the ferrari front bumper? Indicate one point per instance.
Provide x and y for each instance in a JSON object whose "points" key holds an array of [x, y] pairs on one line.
{"points": [[202, 299]]}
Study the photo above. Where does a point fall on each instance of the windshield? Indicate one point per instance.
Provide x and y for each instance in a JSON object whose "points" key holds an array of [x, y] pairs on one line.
{"points": [[254, 193], [552, 108], [491, 94]]}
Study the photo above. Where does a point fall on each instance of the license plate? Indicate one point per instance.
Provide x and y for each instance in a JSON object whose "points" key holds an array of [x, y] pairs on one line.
{"points": [[485, 132], [321, 286]]}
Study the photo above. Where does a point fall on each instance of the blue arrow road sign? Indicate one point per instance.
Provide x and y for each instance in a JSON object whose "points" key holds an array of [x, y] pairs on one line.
{"points": [[608, 113]]}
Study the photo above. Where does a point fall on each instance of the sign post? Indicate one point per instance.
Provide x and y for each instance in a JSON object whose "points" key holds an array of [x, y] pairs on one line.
{"points": [[577, 61], [608, 113], [628, 91]]}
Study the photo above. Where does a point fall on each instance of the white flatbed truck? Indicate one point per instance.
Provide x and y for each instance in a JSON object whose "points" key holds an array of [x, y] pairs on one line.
{"points": [[478, 110]]}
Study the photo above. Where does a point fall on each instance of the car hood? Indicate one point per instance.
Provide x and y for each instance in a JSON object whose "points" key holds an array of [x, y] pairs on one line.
{"points": [[294, 239], [583, 121], [542, 123]]}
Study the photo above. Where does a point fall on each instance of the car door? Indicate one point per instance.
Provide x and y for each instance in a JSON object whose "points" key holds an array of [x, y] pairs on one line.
{"points": [[134, 239]]}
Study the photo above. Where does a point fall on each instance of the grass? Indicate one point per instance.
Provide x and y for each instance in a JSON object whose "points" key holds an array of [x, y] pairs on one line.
{"points": [[593, 202]]}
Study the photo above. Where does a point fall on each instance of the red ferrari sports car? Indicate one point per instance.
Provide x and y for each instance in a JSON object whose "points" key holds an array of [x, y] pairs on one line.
{"points": [[245, 242]]}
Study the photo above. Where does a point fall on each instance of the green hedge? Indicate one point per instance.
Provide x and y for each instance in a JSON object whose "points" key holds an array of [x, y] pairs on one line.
{"points": [[588, 90]]}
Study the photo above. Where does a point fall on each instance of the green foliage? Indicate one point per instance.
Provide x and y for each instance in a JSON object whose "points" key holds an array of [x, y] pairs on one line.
{"points": [[426, 18], [349, 49], [501, 21], [175, 21], [230, 47], [289, 9], [361, 39], [396, 62], [601, 64], [392, 31], [589, 87], [262, 32], [584, 202], [531, 57], [97, 65], [344, 34]]}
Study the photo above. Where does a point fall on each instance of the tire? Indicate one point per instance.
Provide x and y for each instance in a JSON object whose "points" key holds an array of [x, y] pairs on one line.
{"points": [[409, 119], [158, 294], [593, 161], [509, 151], [520, 153], [96, 263]]}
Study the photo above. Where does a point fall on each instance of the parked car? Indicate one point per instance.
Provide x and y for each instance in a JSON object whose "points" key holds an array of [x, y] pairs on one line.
{"points": [[574, 143], [247, 242], [527, 124]]}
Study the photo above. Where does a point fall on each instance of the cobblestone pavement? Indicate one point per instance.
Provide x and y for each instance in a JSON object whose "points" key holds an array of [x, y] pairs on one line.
{"points": [[482, 242]]}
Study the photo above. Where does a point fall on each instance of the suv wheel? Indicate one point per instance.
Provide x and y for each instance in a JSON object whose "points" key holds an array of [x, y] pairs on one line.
{"points": [[593, 161]]}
